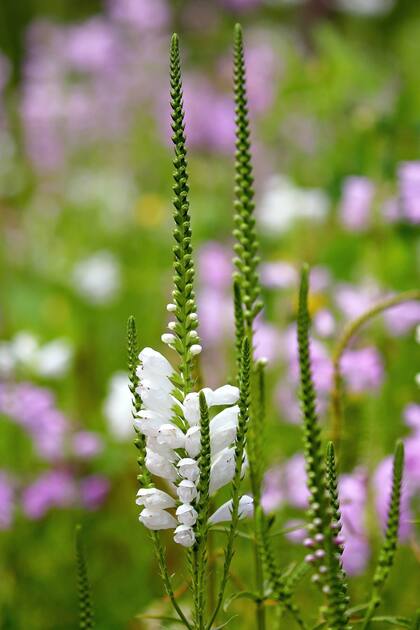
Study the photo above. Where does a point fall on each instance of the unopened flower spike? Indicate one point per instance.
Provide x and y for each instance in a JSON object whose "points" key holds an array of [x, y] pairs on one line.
{"points": [[246, 246], [183, 336], [86, 620], [389, 547], [323, 552]]}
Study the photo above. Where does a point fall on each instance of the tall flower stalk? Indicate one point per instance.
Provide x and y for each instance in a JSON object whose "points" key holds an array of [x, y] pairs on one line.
{"points": [[247, 291]]}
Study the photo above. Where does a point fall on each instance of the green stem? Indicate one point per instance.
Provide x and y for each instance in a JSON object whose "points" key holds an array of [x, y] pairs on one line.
{"points": [[349, 331]]}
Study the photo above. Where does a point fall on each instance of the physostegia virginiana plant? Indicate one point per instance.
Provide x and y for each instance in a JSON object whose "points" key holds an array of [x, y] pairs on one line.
{"points": [[193, 441]]}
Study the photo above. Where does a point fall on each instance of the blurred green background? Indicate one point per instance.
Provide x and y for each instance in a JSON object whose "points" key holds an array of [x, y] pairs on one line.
{"points": [[85, 216]]}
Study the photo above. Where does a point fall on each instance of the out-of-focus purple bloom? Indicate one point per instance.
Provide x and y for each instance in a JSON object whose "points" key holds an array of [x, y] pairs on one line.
{"points": [[91, 45], [52, 489], [272, 494], [391, 210], [324, 323], [267, 340], [297, 535], [261, 64], [86, 444], [353, 497], [353, 300], [278, 275], [320, 279], [362, 369], [141, 14], [214, 265], [321, 362], [287, 400], [412, 417], [241, 5], [295, 481], [356, 203], [409, 182], [402, 318], [93, 491], [6, 501], [215, 315], [33, 408]]}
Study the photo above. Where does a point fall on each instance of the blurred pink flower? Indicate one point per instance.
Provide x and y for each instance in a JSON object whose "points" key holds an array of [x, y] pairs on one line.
{"points": [[141, 14], [93, 491], [402, 318], [409, 182], [356, 203], [52, 489], [215, 266], [6, 500], [362, 369], [86, 444]]}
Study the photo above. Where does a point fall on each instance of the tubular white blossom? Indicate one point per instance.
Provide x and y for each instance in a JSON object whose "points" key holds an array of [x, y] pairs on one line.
{"points": [[192, 441], [160, 466], [188, 468], [186, 514], [161, 449], [224, 513], [157, 519], [222, 469], [154, 499], [149, 422], [170, 435], [153, 363], [186, 491], [168, 338], [223, 429], [184, 535]]}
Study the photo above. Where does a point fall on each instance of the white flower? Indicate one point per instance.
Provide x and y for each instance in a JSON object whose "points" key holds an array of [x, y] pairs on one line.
{"points": [[153, 364], [186, 491], [157, 400], [157, 519], [184, 535], [161, 449], [222, 469], [193, 441], [226, 395], [154, 499], [188, 468], [117, 407], [53, 359], [186, 514], [224, 513], [171, 308], [170, 435], [196, 348], [25, 348], [223, 428], [150, 421], [160, 466], [98, 278], [168, 338]]}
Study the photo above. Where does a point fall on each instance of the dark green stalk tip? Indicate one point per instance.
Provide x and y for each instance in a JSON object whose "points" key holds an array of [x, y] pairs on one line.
{"points": [[174, 40], [399, 459], [238, 30]]}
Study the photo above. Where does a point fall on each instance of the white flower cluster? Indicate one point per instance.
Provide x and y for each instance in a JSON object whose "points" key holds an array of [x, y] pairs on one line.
{"points": [[172, 453]]}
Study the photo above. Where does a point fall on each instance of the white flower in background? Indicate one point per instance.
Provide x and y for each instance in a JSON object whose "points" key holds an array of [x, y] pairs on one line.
{"points": [[283, 203], [97, 278], [366, 7], [54, 358], [117, 407], [51, 360], [172, 430]]}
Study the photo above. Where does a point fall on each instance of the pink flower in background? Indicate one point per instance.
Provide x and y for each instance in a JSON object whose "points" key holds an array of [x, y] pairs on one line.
{"points": [[141, 14], [215, 315], [86, 444], [52, 489], [215, 265], [272, 494], [362, 369], [324, 323], [278, 275], [353, 300], [287, 401], [412, 416], [93, 491], [356, 203], [91, 45], [296, 490], [402, 318], [267, 340], [409, 184], [6, 501]]}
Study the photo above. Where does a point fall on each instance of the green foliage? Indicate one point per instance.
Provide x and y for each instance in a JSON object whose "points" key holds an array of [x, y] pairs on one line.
{"points": [[86, 620], [183, 293]]}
